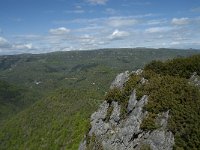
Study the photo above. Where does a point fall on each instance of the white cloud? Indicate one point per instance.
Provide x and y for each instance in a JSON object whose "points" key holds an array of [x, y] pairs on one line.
{"points": [[59, 31], [180, 21], [95, 33], [97, 2], [4, 43], [78, 7], [118, 35], [107, 22], [23, 46], [77, 10], [158, 29], [121, 21], [156, 22], [27, 37], [175, 43], [87, 39], [7, 47]]}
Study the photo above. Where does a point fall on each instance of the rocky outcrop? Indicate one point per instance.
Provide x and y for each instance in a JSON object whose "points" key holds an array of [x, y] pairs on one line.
{"points": [[99, 127], [132, 101], [120, 80], [195, 79], [114, 132], [115, 115]]}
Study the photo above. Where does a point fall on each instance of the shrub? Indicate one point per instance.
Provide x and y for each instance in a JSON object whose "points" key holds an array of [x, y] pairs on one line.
{"points": [[183, 101], [182, 67], [114, 94], [149, 123]]}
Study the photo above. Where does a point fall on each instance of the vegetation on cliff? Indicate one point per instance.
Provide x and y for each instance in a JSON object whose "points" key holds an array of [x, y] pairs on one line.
{"points": [[168, 88]]}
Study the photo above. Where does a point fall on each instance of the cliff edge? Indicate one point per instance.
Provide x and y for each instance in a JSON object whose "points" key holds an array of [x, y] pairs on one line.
{"points": [[111, 131]]}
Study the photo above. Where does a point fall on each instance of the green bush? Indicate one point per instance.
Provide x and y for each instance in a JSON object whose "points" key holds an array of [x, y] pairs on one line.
{"points": [[114, 94], [131, 84], [109, 112], [149, 124], [182, 67], [169, 90]]}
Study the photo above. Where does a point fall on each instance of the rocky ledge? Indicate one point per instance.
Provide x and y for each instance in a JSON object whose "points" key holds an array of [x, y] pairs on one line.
{"points": [[195, 79], [110, 131]]}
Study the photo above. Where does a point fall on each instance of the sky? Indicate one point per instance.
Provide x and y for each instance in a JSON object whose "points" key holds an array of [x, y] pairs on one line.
{"points": [[40, 26]]}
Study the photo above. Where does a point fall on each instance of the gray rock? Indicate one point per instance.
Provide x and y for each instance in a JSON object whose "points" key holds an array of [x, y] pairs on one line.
{"points": [[82, 145], [160, 140], [195, 79], [137, 72], [132, 101], [143, 80], [115, 116], [101, 113], [120, 80], [136, 116], [142, 102], [99, 127], [125, 133]]}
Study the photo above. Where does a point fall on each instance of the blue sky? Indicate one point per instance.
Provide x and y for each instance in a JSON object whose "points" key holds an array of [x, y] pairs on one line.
{"points": [[38, 26]]}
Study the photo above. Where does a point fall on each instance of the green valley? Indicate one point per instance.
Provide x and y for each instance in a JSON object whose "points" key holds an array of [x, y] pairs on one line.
{"points": [[47, 99]]}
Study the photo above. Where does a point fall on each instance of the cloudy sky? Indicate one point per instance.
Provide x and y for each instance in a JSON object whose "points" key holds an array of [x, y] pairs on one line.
{"points": [[38, 26]]}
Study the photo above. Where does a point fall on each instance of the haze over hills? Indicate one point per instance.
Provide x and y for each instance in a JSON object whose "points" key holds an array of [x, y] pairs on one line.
{"points": [[57, 92]]}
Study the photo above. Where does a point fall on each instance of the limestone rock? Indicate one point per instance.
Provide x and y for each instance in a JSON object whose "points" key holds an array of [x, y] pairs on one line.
{"points": [[82, 146], [120, 80], [99, 127], [115, 116], [143, 80], [137, 72], [115, 133], [160, 140], [132, 101], [101, 113], [195, 79]]}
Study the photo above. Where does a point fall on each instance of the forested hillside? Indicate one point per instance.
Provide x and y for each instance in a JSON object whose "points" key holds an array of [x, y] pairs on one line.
{"points": [[53, 95]]}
